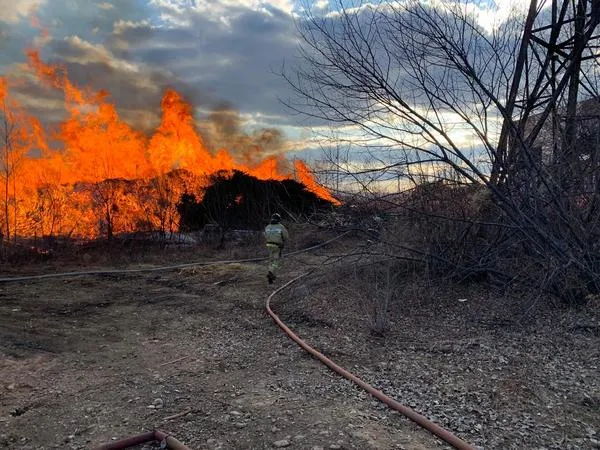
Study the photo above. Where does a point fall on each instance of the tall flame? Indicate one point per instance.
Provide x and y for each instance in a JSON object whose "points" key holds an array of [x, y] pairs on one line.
{"points": [[305, 177], [107, 177]]}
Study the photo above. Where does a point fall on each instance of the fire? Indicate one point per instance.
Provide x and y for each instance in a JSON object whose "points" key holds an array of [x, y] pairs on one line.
{"points": [[106, 177], [20, 133], [305, 177], [176, 145]]}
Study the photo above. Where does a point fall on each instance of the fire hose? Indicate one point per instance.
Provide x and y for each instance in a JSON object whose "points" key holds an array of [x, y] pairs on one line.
{"points": [[166, 441], [419, 419], [158, 268], [173, 443]]}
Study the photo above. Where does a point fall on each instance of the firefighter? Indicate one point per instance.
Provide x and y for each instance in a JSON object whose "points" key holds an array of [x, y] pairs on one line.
{"points": [[276, 236]]}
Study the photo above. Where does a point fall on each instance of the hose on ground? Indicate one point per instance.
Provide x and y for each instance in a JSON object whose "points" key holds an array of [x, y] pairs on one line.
{"points": [[419, 419], [159, 268], [442, 433], [151, 436]]}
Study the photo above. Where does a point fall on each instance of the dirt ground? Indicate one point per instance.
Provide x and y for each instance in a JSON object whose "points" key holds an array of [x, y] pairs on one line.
{"points": [[86, 360]]}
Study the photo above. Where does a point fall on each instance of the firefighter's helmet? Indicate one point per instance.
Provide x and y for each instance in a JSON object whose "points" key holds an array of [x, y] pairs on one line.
{"points": [[276, 218]]}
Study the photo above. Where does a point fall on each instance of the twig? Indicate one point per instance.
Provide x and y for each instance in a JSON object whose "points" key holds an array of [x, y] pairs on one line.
{"points": [[222, 402], [174, 361], [181, 414]]}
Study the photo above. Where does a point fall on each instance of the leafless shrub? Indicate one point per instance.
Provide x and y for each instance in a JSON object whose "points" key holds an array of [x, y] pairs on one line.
{"points": [[18, 255], [452, 225], [374, 282]]}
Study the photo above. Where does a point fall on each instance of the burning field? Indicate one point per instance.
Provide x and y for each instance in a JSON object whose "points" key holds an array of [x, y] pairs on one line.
{"points": [[95, 175]]}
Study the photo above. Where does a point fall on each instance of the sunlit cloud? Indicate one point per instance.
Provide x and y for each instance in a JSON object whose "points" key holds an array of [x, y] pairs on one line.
{"points": [[105, 6], [12, 11]]}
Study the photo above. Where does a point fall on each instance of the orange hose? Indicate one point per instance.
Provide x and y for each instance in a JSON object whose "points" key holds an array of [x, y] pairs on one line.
{"points": [[421, 420], [150, 436]]}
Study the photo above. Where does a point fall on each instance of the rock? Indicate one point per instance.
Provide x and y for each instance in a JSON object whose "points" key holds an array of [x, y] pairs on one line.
{"points": [[158, 403], [281, 444], [214, 444]]}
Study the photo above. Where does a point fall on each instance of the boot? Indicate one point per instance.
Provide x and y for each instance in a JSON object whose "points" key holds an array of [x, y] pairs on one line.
{"points": [[271, 277]]}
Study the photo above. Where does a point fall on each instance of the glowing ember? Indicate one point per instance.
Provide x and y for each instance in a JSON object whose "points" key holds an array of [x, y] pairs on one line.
{"points": [[106, 177]]}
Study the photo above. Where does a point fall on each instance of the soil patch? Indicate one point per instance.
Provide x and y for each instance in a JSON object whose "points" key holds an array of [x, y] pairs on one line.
{"points": [[86, 360]]}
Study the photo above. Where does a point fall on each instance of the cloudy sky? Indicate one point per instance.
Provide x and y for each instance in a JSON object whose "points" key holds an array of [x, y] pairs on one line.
{"points": [[221, 54]]}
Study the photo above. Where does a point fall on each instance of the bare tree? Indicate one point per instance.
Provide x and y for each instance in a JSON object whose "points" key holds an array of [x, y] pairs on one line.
{"points": [[407, 76], [8, 165], [470, 104], [18, 134]]}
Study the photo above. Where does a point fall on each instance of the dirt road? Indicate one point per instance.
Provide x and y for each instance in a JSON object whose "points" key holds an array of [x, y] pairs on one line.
{"points": [[86, 360], [89, 359]]}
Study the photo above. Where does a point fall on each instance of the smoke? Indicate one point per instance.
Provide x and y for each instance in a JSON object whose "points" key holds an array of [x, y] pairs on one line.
{"points": [[224, 128]]}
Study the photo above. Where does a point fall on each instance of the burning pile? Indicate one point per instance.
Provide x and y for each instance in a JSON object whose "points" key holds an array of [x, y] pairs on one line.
{"points": [[106, 177]]}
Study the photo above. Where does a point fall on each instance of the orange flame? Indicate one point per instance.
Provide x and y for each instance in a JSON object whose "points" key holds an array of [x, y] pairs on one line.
{"points": [[305, 177], [107, 177]]}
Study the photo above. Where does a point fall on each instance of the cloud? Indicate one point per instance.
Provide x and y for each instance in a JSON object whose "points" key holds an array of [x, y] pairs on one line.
{"points": [[321, 4], [105, 5], [233, 52], [12, 11], [221, 68], [223, 55], [77, 50], [177, 12], [487, 13], [217, 52]]}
